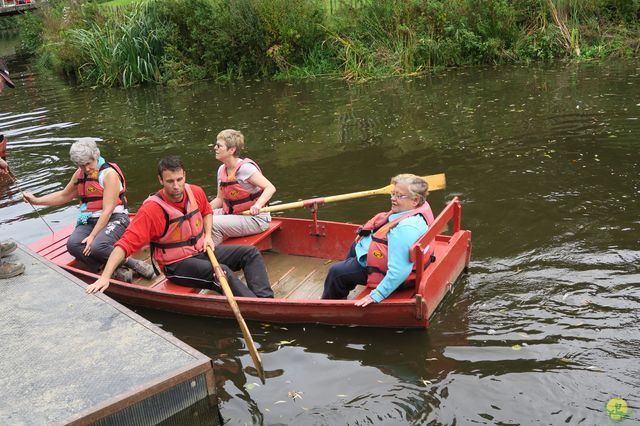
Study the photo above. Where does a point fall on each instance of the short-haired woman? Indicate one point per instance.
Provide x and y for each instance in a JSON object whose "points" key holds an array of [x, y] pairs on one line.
{"points": [[241, 187], [380, 257], [103, 215]]}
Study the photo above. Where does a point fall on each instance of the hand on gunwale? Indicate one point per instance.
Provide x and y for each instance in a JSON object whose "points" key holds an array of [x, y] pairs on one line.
{"points": [[100, 285], [365, 301]]}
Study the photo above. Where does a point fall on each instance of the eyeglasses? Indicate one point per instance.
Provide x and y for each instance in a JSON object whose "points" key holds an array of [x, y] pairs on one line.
{"points": [[398, 196], [218, 145]]}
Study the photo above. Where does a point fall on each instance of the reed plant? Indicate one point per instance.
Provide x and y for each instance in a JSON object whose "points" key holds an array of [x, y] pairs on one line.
{"points": [[125, 49]]}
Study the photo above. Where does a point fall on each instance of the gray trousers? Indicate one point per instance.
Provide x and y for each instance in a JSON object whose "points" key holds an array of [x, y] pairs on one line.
{"points": [[236, 225], [102, 245]]}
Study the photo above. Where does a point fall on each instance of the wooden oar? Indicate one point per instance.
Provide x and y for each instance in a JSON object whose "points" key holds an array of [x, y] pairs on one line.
{"points": [[435, 182], [15, 181], [255, 356]]}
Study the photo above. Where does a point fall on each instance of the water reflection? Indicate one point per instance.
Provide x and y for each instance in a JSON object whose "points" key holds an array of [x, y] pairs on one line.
{"points": [[545, 162]]}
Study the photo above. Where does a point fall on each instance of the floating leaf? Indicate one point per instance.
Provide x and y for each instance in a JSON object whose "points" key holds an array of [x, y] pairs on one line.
{"points": [[249, 386], [565, 360], [491, 331], [295, 394], [525, 335], [341, 395], [516, 347], [426, 382], [279, 402]]}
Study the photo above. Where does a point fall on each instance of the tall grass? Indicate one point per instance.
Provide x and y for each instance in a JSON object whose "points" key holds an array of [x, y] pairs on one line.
{"points": [[125, 49]]}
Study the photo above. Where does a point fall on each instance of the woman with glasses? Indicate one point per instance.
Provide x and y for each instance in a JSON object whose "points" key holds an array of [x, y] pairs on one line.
{"points": [[379, 257], [241, 187], [103, 216]]}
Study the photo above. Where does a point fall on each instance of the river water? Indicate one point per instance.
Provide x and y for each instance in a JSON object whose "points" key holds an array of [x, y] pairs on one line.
{"points": [[545, 327]]}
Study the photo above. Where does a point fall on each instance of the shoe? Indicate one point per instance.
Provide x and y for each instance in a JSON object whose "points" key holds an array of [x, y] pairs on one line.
{"points": [[123, 274], [142, 268], [9, 269], [7, 248]]}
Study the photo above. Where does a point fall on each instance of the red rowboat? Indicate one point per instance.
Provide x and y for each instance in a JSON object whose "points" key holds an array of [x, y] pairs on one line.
{"points": [[298, 253]]}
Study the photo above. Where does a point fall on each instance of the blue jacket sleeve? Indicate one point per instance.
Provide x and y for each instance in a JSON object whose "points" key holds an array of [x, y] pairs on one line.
{"points": [[401, 238]]}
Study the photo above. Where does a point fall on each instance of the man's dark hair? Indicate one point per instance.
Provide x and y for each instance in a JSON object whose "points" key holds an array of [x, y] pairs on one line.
{"points": [[171, 162]]}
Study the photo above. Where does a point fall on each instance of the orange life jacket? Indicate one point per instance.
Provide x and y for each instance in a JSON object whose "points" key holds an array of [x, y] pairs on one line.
{"points": [[378, 254], [3, 147], [90, 191], [235, 198], [183, 236]]}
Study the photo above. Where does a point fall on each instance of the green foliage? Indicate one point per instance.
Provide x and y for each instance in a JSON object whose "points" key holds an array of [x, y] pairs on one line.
{"points": [[31, 30], [176, 41], [118, 47]]}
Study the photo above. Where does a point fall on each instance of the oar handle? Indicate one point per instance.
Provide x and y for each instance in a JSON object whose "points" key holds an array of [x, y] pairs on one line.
{"points": [[255, 356], [435, 182]]}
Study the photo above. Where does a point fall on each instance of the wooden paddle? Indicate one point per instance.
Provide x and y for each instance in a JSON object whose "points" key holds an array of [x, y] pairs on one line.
{"points": [[15, 181], [255, 356], [435, 182]]}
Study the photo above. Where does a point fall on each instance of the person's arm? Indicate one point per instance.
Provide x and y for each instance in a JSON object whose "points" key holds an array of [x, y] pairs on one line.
{"points": [[57, 198], [217, 202], [111, 186], [4, 167], [401, 239], [208, 241], [116, 257], [259, 180], [207, 215]]}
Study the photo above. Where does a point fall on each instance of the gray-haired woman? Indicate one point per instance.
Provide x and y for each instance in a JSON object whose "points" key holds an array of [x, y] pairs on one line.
{"points": [[103, 215]]}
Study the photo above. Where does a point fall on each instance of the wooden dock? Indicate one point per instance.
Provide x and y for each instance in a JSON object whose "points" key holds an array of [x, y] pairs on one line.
{"points": [[8, 7], [67, 357]]}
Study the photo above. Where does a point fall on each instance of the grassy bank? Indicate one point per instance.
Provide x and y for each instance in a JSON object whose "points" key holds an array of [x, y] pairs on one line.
{"points": [[172, 41]]}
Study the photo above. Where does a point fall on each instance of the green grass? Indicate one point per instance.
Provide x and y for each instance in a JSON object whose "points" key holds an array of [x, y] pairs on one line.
{"points": [[122, 2]]}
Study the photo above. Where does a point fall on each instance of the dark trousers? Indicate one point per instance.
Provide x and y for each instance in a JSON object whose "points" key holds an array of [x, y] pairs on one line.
{"points": [[102, 245], [344, 276], [197, 271]]}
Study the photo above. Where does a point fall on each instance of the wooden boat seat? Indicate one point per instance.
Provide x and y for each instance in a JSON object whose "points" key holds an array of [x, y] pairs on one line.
{"points": [[262, 240], [170, 287]]}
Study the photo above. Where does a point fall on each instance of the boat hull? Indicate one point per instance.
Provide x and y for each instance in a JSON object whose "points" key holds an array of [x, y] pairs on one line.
{"points": [[301, 238]]}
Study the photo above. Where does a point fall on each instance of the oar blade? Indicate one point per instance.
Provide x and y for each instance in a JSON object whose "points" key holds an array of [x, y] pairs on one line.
{"points": [[436, 182]]}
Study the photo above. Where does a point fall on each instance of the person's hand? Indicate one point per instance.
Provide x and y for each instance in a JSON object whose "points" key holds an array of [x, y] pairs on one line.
{"points": [[255, 209], [29, 198], [208, 242], [88, 241], [99, 286], [4, 167], [365, 301]]}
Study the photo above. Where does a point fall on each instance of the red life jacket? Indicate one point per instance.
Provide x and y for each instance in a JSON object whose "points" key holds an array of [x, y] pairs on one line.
{"points": [[183, 235], [378, 254], [235, 198], [3, 147], [90, 191]]}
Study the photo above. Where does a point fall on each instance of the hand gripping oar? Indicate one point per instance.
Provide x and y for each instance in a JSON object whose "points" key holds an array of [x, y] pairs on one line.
{"points": [[255, 356], [435, 182], [15, 181]]}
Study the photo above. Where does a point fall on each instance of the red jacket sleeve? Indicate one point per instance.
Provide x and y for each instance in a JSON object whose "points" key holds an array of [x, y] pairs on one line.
{"points": [[147, 225], [203, 202]]}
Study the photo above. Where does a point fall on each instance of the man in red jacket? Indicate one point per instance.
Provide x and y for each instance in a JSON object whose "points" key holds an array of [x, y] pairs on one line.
{"points": [[176, 221]]}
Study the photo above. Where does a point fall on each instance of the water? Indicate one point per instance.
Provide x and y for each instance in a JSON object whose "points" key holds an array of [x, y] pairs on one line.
{"points": [[544, 329]]}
